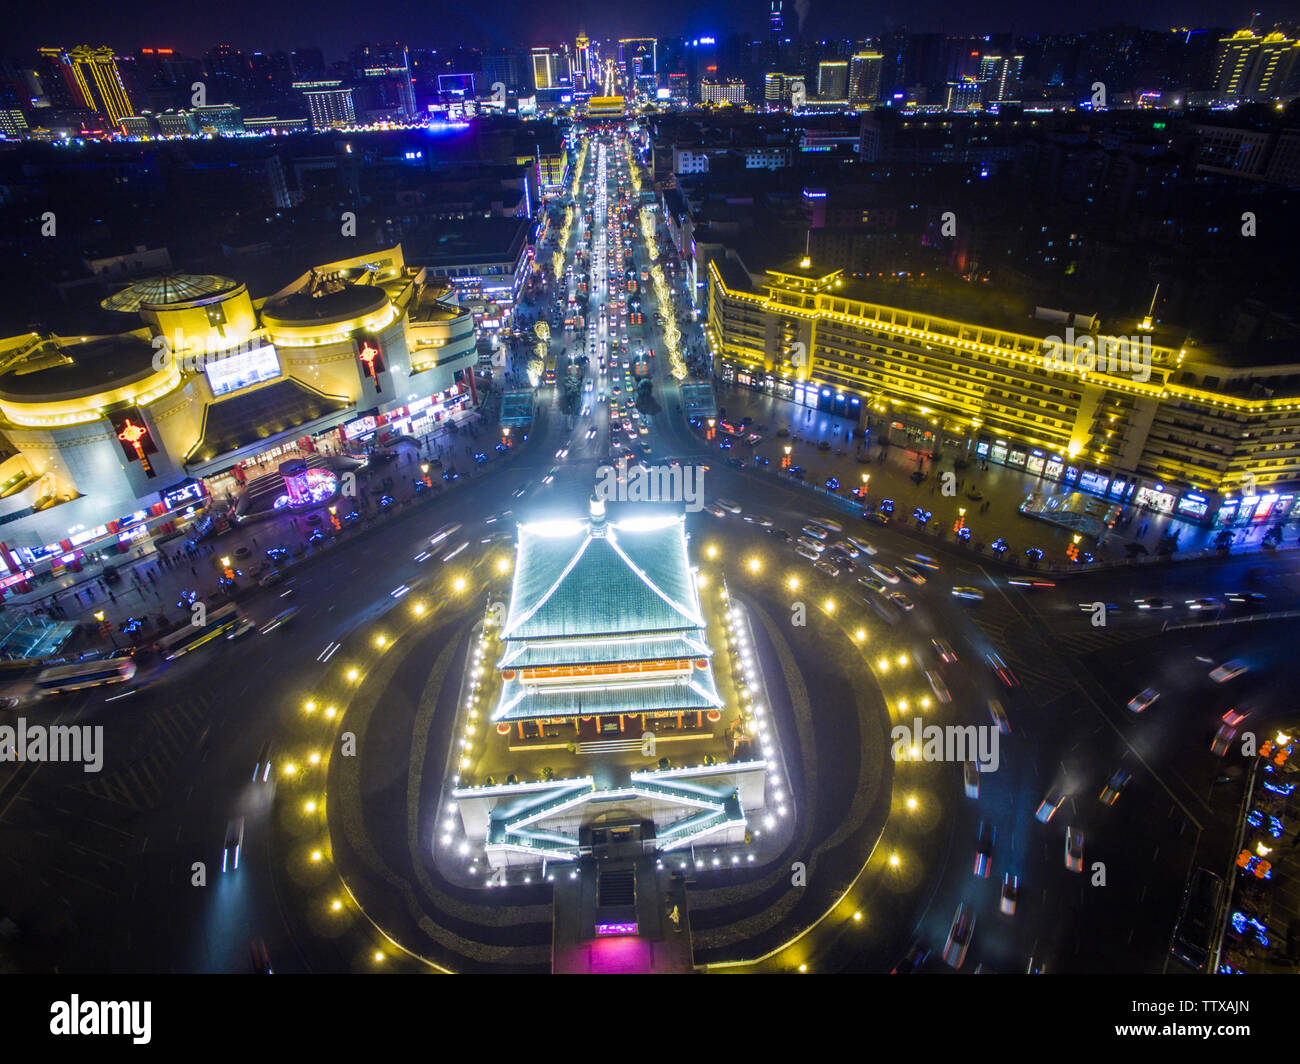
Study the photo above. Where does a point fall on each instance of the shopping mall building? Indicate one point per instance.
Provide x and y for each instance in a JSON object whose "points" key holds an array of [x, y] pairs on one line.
{"points": [[116, 438], [1134, 412]]}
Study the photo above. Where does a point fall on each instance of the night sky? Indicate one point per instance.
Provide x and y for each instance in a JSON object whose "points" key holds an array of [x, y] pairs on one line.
{"points": [[338, 25]]}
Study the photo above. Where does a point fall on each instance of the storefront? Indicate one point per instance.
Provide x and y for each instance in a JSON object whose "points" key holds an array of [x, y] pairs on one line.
{"points": [[418, 418], [1054, 467]]}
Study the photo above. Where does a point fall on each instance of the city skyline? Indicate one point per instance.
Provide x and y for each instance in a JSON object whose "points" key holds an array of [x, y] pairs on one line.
{"points": [[255, 27]]}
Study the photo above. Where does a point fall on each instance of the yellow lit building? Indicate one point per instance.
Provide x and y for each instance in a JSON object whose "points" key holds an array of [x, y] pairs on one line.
{"points": [[95, 73], [1129, 410]]}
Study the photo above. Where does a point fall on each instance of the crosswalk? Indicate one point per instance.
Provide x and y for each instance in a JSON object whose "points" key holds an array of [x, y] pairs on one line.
{"points": [[139, 778], [1034, 654]]}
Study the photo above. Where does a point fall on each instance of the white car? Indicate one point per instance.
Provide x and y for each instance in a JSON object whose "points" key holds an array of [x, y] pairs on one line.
{"points": [[847, 548], [729, 506], [937, 685], [1144, 699], [816, 531], [974, 594], [811, 544], [245, 625], [861, 544], [884, 573], [447, 530], [1228, 670], [807, 552]]}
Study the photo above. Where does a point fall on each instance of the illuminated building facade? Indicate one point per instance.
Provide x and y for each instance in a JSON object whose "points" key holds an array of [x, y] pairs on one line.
{"points": [[111, 436], [606, 109], [329, 104], [1249, 66], [96, 81], [954, 371], [604, 656]]}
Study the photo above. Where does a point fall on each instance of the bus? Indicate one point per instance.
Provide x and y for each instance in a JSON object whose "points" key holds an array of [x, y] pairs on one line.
{"points": [[220, 622], [1194, 932], [62, 678], [548, 372]]}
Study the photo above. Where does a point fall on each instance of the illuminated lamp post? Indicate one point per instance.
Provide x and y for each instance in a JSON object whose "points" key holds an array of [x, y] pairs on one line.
{"points": [[961, 519], [105, 628], [785, 462], [710, 434]]}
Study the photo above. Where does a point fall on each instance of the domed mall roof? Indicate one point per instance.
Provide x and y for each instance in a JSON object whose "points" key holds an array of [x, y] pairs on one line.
{"points": [[324, 302], [169, 289]]}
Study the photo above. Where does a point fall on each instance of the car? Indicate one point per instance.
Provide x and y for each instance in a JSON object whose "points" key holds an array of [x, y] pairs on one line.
{"points": [[1000, 668], [970, 774], [1222, 741], [262, 767], [811, 544], [936, 683], [916, 956], [872, 584], [443, 533], [912, 574], [245, 625], [1229, 670], [815, 531], [729, 506], [259, 959], [972, 594], [1143, 700], [1203, 604], [519, 491], [901, 601], [1010, 894], [1152, 604], [861, 544], [1110, 793], [883, 572], [807, 552], [841, 560], [1233, 717], [984, 849], [826, 566], [270, 579], [500, 515], [755, 519], [280, 619], [1049, 805], [455, 550], [959, 936], [826, 522], [550, 474], [944, 650], [781, 534], [714, 509], [1073, 850], [924, 561], [846, 548], [999, 716], [1245, 598], [234, 842]]}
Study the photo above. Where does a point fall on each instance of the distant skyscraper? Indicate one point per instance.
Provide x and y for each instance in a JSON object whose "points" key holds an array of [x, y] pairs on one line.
{"points": [[329, 104], [833, 80], [864, 77], [638, 56], [1001, 76], [98, 82], [775, 20], [545, 76], [582, 66], [1250, 67]]}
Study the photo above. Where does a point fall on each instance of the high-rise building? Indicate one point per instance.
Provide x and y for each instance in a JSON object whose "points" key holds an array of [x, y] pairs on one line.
{"points": [[864, 77], [965, 95], [98, 82], [329, 104], [1001, 76], [1252, 67], [722, 92], [638, 56], [582, 65], [775, 20], [545, 73], [833, 79]]}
